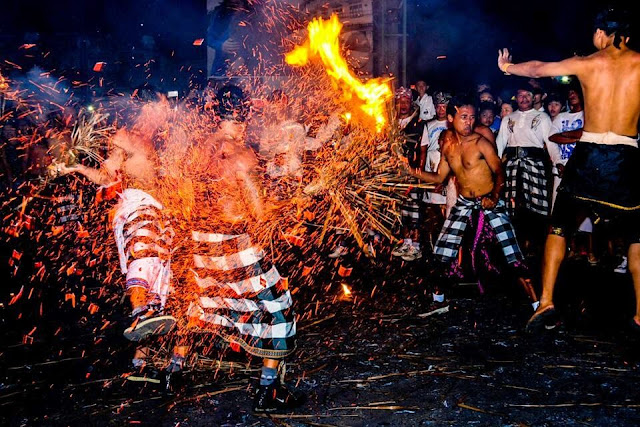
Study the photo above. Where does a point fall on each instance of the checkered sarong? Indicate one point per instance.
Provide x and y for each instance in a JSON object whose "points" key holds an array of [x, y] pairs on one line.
{"points": [[450, 239], [527, 179], [239, 299], [410, 211]]}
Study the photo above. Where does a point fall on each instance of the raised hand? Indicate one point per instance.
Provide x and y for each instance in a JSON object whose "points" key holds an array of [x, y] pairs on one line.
{"points": [[504, 59]]}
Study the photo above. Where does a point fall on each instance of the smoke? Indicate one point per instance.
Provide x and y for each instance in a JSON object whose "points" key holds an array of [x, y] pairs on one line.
{"points": [[42, 89]]}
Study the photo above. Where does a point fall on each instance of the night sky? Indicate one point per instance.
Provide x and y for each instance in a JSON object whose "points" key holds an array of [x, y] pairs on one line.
{"points": [[468, 32]]}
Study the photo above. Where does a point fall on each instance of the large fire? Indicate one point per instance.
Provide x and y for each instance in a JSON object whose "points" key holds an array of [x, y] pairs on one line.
{"points": [[323, 41]]}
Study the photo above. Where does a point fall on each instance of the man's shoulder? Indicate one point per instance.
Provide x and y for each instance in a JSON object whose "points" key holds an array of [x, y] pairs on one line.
{"points": [[603, 57], [445, 138], [479, 138]]}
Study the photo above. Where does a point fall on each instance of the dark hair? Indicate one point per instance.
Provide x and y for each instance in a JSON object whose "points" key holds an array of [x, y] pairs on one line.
{"points": [[537, 90], [457, 102], [614, 21], [484, 106], [575, 86], [526, 87], [554, 97]]}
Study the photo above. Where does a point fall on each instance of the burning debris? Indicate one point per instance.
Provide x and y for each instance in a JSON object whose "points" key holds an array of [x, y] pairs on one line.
{"points": [[197, 204]]}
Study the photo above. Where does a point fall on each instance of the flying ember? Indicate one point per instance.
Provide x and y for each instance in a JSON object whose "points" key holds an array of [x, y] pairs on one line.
{"points": [[323, 41]]}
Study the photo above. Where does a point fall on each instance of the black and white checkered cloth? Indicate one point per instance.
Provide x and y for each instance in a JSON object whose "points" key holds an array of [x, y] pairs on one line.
{"points": [[410, 211], [527, 180], [450, 239], [240, 299]]}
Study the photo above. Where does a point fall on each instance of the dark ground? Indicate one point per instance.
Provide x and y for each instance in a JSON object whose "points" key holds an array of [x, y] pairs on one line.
{"points": [[369, 360]]}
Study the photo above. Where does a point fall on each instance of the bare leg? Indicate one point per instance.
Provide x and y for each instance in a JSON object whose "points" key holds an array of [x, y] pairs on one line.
{"points": [[138, 297], [554, 251], [634, 268], [528, 288]]}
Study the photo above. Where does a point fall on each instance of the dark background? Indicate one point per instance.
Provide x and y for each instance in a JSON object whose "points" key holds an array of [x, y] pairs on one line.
{"points": [[151, 41]]}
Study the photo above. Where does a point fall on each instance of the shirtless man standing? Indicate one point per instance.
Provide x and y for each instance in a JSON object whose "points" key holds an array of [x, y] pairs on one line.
{"points": [[473, 160], [602, 174]]}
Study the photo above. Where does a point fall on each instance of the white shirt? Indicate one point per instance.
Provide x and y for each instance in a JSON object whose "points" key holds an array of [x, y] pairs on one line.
{"points": [[430, 139], [526, 129], [561, 123], [427, 108], [432, 134]]}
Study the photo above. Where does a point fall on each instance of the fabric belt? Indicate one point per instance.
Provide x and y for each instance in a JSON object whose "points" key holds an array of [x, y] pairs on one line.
{"points": [[525, 152], [609, 138]]}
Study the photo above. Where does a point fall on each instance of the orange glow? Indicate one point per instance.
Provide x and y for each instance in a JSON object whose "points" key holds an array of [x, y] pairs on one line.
{"points": [[323, 41], [4, 85], [346, 290]]}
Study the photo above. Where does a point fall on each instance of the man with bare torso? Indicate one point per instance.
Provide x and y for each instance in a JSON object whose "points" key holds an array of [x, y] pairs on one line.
{"points": [[602, 174], [473, 160]]}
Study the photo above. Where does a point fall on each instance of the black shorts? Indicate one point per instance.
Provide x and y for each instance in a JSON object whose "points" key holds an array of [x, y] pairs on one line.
{"points": [[569, 211]]}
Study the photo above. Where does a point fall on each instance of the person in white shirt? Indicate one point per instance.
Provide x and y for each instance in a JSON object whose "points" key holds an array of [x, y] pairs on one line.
{"points": [[506, 108], [424, 102], [554, 105], [565, 121], [429, 159], [521, 142], [411, 129]]}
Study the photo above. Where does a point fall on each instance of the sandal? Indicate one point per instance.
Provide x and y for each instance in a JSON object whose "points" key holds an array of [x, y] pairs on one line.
{"points": [[542, 319]]}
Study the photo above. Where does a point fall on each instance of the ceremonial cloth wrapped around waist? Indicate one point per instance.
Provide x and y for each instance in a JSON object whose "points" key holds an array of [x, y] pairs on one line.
{"points": [[240, 298], [604, 168]]}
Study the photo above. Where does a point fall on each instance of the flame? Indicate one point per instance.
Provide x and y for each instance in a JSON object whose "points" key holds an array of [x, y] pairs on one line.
{"points": [[346, 290], [4, 85], [323, 42]]}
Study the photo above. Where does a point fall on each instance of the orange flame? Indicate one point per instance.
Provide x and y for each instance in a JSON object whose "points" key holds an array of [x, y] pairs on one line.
{"points": [[323, 41], [346, 290], [4, 85]]}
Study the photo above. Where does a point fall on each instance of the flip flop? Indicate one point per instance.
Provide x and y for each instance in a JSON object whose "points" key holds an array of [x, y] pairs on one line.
{"points": [[540, 320], [158, 325], [635, 327]]}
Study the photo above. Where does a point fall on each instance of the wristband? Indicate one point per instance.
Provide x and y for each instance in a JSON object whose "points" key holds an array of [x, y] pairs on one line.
{"points": [[505, 66]]}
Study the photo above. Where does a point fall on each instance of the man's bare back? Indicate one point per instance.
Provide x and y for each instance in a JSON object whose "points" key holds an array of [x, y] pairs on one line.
{"points": [[610, 81]]}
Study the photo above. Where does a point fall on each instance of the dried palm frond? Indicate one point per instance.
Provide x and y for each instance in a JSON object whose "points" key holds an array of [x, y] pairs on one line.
{"points": [[89, 137]]}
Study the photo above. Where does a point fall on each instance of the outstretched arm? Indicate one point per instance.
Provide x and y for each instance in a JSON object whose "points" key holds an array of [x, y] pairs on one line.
{"points": [[535, 69], [95, 175], [433, 177]]}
